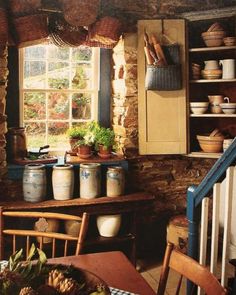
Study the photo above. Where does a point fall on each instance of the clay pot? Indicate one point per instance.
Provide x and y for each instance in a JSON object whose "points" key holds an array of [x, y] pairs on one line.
{"points": [[72, 227], [115, 181], [215, 101], [104, 153], [84, 151], [63, 182], [34, 183], [90, 180], [108, 225], [46, 225]]}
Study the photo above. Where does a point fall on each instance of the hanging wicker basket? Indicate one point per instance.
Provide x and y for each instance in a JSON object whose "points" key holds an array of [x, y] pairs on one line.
{"points": [[3, 26], [80, 12], [31, 28], [63, 34], [106, 30], [24, 7]]}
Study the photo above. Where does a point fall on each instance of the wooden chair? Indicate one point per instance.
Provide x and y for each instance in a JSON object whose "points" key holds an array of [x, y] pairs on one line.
{"points": [[30, 234], [190, 269]]}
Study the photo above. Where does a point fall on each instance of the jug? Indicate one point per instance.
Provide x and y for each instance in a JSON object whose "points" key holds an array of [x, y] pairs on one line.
{"points": [[228, 67], [211, 64], [16, 142], [215, 101]]}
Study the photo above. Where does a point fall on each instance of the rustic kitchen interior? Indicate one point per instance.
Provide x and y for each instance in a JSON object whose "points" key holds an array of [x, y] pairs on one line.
{"points": [[157, 80]]}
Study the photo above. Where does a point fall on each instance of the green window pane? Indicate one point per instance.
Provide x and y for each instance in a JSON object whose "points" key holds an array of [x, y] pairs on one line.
{"points": [[35, 52], [58, 106], [57, 136], [82, 53], [81, 106], [35, 134], [34, 74], [58, 53], [81, 76], [58, 75], [34, 106]]}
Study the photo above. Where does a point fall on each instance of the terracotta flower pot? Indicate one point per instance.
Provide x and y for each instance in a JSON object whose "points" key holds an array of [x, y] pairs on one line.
{"points": [[104, 153], [84, 151]]}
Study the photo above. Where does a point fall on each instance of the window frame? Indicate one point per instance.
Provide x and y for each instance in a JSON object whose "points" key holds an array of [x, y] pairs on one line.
{"points": [[95, 111]]}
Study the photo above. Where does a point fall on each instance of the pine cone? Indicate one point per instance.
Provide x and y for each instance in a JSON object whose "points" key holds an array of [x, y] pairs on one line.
{"points": [[27, 291], [54, 278], [67, 287]]}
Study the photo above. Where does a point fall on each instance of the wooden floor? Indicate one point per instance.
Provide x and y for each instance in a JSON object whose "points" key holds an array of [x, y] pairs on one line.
{"points": [[150, 270]]}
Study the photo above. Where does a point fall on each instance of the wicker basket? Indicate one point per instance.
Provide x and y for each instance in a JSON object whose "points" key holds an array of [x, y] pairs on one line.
{"points": [[3, 92], [80, 12], [106, 30], [24, 7], [163, 77], [30, 28], [63, 34], [3, 26]]}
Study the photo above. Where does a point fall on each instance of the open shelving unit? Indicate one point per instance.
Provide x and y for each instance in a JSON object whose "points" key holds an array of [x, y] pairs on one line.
{"points": [[198, 90]]}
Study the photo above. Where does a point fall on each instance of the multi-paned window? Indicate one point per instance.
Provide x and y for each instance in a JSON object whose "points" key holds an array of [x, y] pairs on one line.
{"points": [[58, 89]]}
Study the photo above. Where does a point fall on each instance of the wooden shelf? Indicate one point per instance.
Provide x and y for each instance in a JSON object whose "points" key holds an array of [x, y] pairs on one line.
{"points": [[95, 159], [204, 155], [209, 49], [124, 203], [213, 116], [212, 81]]}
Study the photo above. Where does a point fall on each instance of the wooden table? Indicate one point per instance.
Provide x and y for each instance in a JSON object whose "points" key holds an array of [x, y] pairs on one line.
{"points": [[113, 267]]}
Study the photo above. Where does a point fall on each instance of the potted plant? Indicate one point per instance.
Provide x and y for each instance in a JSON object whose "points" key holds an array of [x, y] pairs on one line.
{"points": [[105, 140], [85, 145], [76, 133]]}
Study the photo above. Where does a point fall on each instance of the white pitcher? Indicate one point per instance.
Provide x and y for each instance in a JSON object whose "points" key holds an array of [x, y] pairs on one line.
{"points": [[211, 65], [228, 67]]}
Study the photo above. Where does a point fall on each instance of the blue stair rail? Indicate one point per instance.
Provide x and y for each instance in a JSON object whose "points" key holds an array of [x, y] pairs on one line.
{"points": [[195, 195]]}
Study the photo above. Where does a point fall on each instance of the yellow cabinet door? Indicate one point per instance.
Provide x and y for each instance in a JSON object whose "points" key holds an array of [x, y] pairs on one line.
{"points": [[162, 114]]}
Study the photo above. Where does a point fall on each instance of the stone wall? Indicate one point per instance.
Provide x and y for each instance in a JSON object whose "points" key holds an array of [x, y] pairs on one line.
{"points": [[3, 123]]}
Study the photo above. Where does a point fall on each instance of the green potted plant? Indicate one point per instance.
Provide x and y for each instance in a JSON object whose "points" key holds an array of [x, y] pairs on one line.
{"points": [[105, 140], [75, 133], [85, 145]]}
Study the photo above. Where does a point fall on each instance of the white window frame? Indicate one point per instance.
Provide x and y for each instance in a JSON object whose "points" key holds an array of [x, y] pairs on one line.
{"points": [[94, 92]]}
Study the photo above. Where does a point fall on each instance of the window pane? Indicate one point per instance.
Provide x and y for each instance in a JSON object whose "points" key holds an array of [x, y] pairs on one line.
{"points": [[58, 75], [58, 53], [36, 134], [34, 106], [81, 78], [34, 74], [81, 106], [82, 53], [57, 136], [58, 106], [35, 52]]}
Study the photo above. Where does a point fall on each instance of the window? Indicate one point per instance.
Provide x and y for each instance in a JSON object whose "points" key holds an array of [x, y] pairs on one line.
{"points": [[58, 89]]}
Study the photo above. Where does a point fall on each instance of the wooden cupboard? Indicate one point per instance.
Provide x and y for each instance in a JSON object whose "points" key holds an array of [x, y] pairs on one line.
{"points": [[166, 125]]}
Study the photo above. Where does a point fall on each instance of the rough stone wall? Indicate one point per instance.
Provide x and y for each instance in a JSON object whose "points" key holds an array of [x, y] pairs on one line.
{"points": [[139, 9], [3, 124]]}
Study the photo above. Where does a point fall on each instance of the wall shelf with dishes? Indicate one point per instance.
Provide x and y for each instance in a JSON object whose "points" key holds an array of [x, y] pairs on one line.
{"points": [[212, 85]]}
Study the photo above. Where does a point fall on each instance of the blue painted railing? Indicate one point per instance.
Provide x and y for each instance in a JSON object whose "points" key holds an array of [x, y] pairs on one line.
{"points": [[196, 194]]}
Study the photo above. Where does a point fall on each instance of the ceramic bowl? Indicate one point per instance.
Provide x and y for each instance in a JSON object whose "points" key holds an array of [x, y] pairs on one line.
{"points": [[211, 74], [213, 38], [198, 108], [210, 144], [229, 41], [228, 108]]}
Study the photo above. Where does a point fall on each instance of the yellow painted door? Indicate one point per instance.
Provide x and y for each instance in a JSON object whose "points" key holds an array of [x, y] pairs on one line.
{"points": [[162, 114]]}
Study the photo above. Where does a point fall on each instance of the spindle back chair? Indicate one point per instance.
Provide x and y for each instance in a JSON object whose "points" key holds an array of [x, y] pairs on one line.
{"points": [[30, 234], [190, 269]]}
